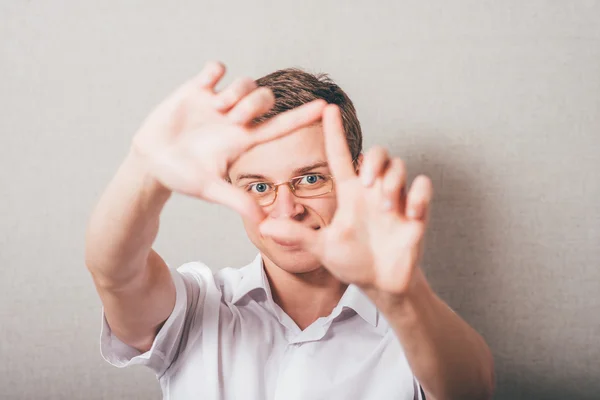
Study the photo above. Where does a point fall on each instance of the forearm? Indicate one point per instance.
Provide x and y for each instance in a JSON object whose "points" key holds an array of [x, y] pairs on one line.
{"points": [[124, 224], [448, 357]]}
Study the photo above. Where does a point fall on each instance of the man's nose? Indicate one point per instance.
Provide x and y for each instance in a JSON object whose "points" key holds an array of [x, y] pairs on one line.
{"points": [[286, 204]]}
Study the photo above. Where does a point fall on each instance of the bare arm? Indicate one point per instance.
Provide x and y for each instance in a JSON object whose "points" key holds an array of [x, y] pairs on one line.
{"points": [[450, 359], [132, 280]]}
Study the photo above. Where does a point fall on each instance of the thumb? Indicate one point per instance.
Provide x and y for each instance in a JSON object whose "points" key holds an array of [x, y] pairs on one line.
{"points": [[293, 232], [223, 193]]}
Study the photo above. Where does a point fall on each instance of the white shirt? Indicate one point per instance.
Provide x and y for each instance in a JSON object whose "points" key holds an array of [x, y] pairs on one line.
{"points": [[227, 339]]}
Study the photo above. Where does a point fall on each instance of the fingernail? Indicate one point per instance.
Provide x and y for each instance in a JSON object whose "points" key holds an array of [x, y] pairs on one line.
{"points": [[264, 228], [367, 178], [387, 205], [237, 118], [208, 79], [413, 212], [220, 104]]}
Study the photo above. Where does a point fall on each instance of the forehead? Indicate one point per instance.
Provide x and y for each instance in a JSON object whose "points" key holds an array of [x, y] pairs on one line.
{"points": [[279, 158]]}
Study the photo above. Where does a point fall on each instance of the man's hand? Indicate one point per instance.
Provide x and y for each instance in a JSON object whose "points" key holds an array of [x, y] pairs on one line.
{"points": [[376, 235], [190, 140], [375, 241]]}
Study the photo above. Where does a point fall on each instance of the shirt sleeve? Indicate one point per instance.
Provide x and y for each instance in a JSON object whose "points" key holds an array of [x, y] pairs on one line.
{"points": [[168, 341]]}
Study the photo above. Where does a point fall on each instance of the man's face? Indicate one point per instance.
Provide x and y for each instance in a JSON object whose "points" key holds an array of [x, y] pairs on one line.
{"points": [[299, 153]]}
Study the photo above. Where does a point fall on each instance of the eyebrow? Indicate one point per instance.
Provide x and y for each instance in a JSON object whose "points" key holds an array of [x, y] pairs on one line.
{"points": [[303, 170], [296, 172]]}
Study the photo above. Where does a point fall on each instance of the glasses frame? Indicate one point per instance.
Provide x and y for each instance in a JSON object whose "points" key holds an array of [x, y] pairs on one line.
{"points": [[293, 189]]}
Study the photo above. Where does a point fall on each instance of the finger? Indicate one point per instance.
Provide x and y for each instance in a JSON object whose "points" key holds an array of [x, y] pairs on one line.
{"points": [[210, 75], [207, 78], [224, 193], [374, 164], [234, 93], [293, 232], [253, 105], [287, 122], [393, 186], [336, 145], [419, 198]]}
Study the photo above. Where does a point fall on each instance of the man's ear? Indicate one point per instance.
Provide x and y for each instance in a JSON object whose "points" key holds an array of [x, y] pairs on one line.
{"points": [[358, 163]]}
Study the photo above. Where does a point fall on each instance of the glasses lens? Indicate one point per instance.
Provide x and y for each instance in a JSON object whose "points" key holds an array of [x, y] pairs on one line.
{"points": [[265, 199], [262, 192], [312, 185]]}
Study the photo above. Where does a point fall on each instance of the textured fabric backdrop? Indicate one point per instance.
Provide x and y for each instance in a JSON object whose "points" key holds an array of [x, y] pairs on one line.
{"points": [[499, 102]]}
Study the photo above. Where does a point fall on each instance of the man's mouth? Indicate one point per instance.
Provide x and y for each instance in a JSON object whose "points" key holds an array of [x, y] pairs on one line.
{"points": [[291, 243]]}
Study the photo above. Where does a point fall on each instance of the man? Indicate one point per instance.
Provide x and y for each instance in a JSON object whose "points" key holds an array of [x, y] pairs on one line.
{"points": [[335, 306]]}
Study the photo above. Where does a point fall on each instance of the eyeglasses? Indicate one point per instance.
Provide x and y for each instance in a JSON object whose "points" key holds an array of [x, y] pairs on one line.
{"points": [[304, 186]]}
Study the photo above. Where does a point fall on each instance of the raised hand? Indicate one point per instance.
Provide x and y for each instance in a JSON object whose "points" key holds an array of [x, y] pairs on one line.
{"points": [[376, 236], [192, 137]]}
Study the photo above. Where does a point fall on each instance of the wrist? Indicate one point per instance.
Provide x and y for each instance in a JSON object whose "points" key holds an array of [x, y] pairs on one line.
{"points": [[407, 304], [138, 165]]}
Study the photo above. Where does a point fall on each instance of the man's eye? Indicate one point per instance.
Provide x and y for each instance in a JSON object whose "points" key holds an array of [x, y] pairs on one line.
{"points": [[258, 187], [311, 179]]}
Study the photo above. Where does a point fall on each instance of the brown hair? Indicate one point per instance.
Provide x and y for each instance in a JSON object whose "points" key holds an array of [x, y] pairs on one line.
{"points": [[293, 87]]}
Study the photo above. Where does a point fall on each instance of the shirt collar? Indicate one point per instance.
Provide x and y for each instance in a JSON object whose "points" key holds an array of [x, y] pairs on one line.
{"points": [[356, 300], [254, 278]]}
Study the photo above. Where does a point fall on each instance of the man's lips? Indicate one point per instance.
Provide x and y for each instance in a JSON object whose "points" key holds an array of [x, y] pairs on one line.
{"points": [[290, 243]]}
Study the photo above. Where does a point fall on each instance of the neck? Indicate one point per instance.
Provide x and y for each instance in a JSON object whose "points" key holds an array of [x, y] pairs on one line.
{"points": [[304, 297]]}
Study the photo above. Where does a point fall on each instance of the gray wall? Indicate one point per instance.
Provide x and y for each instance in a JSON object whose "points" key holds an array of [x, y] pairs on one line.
{"points": [[499, 102]]}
